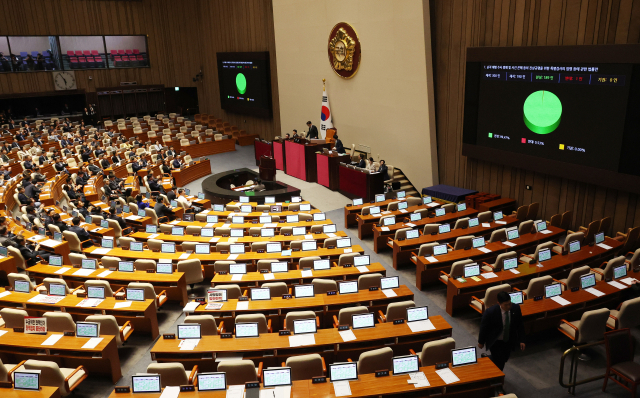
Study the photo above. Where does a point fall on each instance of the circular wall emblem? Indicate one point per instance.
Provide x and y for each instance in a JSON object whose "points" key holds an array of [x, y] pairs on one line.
{"points": [[344, 50]]}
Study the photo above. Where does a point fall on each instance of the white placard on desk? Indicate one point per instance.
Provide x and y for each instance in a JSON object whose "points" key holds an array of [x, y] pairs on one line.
{"points": [[362, 268], [545, 231], [447, 375], [617, 285], [595, 292], [432, 259], [347, 335], [421, 326], [560, 300], [484, 250], [605, 247], [489, 275], [83, 272], [510, 244], [389, 293], [386, 229], [100, 250], [92, 343], [306, 273], [62, 270], [232, 256], [51, 340], [104, 274], [153, 236], [236, 277], [486, 225], [242, 306]]}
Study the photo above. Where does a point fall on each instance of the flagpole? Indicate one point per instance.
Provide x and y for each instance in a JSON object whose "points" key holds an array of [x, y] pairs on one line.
{"points": [[323, 87]]}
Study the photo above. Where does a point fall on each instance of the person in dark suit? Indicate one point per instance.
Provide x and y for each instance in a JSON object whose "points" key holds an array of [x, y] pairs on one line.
{"points": [[384, 170], [33, 191], [57, 221], [104, 163], [19, 136], [154, 185], [22, 197], [114, 216], [15, 143], [162, 210], [27, 165], [171, 195], [31, 256], [502, 330], [136, 166], [362, 164], [81, 209], [313, 131], [338, 147], [166, 168], [176, 163], [83, 235]]}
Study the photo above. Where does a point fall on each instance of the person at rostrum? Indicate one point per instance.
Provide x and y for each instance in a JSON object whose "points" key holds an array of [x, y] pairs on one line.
{"points": [[502, 330], [338, 147], [313, 131]]}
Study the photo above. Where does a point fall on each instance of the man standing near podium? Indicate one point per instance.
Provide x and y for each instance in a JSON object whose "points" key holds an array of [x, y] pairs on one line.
{"points": [[313, 131]]}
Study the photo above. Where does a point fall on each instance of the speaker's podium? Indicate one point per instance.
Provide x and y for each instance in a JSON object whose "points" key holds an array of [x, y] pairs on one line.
{"points": [[267, 168]]}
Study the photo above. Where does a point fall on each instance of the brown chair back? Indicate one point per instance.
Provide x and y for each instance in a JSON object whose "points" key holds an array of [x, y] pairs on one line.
{"points": [[567, 219], [532, 214]]}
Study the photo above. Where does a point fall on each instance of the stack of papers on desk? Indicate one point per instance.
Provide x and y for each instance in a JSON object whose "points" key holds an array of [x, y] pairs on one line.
{"points": [[489, 275], [432, 259], [433, 204], [153, 236], [44, 299], [89, 303], [628, 281], [389, 293], [486, 225], [306, 273], [84, 272], [331, 235], [283, 392], [188, 344], [617, 284], [510, 244], [52, 339], [236, 277], [213, 306], [235, 391], [268, 276], [545, 231], [122, 304], [447, 375], [421, 326], [92, 343], [602, 245], [386, 229], [302, 340], [214, 239], [242, 306], [62, 270], [174, 222], [184, 256], [484, 250], [133, 218], [3, 332], [190, 307], [101, 250], [50, 242], [170, 392], [104, 274], [560, 300], [209, 225], [347, 335], [418, 379], [3, 294], [362, 268], [270, 225], [501, 222], [232, 257], [595, 292], [342, 388]]}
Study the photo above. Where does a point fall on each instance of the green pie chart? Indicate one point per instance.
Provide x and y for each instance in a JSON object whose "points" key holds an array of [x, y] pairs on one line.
{"points": [[542, 110], [241, 83]]}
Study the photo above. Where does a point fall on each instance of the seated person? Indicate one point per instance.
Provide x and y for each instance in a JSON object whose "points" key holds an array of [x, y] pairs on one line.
{"points": [[339, 147], [31, 255], [362, 164]]}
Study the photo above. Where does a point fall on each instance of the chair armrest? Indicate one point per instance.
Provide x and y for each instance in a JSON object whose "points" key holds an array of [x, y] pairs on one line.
{"points": [[73, 290], [245, 293], [66, 380], [526, 255], [444, 273], [160, 294], [449, 246], [621, 234], [39, 285], [629, 253], [14, 369], [557, 244], [260, 366], [562, 283], [615, 319], [221, 327], [518, 290], [582, 229], [317, 321], [478, 300], [382, 318], [324, 365], [335, 321], [489, 265], [122, 336], [192, 377], [335, 264], [597, 271], [571, 326], [118, 291], [269, 326]]}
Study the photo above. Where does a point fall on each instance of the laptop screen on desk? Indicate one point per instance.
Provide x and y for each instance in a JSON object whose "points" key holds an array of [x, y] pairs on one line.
{"points": [[599, 238], [544, 255], [309, 245], [301, 291], [346, 287], [276, 377], [203, 249], [274, 247], [439, 250], [151, 229], [574, 246], [321, 264], [26, 380], [236, 248], [206, 232], [552, 290], [146, 383], [440, 212], [444, 228], [237, 269], [516, 297], [280, 266], [357, 202], [87, 329], [620, 272], [297, 231], [319, 216], [189, 331], [329, 229], [343, 371], [361, 260], [212, 381], [125, 266], [54, 260], [362, 321], [513, 234], [464, 356], [390, 282], [263, 293], [303, 326], [473, 222], [471, 270], [95, 292], [237, 220], [212, 219], [292, 219], [510, 263], [587, 281], [247, 329], [380, 198], [415, 314], [405, 364], [88, 263]]}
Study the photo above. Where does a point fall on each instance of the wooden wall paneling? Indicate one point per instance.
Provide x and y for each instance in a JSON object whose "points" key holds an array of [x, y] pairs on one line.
{"points": [[459, 24]]}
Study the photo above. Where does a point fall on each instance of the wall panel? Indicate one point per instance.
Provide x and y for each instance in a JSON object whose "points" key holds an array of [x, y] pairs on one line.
{"points": [[458, 24]]}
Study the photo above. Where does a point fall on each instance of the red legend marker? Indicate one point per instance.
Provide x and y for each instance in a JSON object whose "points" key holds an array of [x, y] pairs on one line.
{"points": [[524, 140]]}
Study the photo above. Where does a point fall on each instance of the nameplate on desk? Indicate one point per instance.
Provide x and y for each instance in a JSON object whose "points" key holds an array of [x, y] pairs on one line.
{"points": [[398, 321], [151, 271], [18, 330], [331, 247], [252, 384], [285, 333], [347, 265], [119, 297], [261, 251], [319, 379], [69, 333], [169, 336], [243, 298], [264, 271], [343, 327], [113, 269], [537, 298], [287, 296], [382, 373], [200, 300], [222, 272], [187, 388], [77, 266], [575, 289], [332, 292], [123, 390], [373, 288], [226, 335], [442, 365], [254, 221], [6, 384], [296, 250]]}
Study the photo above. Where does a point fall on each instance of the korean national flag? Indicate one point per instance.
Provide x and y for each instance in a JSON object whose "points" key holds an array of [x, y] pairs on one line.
{"points": [[325, 116]]}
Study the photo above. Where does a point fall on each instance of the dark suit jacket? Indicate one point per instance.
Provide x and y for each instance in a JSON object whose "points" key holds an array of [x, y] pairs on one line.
{"points": [[362, 164], [339, 146], [162, 210], [491, 326], [29, 255], [313, 132], [385, 171], [63, 227], [23, 198], [105, 164], [82, 234], [171, 196]]}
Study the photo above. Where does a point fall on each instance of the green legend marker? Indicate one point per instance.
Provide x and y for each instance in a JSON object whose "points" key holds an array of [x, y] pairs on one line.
{"points": [[490, 135], [241, 83], [542, 110]]}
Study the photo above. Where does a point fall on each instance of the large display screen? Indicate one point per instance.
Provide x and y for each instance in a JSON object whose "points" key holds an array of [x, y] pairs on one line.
{"points": [[566, 111], [245, 83]]}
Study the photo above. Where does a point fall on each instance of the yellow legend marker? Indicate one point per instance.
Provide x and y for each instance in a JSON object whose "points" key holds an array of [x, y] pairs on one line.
{"points": [[562, 147]]}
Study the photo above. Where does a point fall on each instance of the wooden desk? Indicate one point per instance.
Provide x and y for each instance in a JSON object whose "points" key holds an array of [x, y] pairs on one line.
{"points": [[273, 349], [294, 276], [67, 352], [52, 190], [208, 260], [205, 148], [301, 159], [459, 293], [350, 212], [192, 173], [285, 240], [7, 266], [477, 381], [403, 250], [380, 236], [498, 204], [366, 223], [261, 148], [357, 184], [174, 284], [92, 190], [256, 214], [324, 306], [285, 205], [546, 313], [248, 225], [328, 169], [45, 392], [142, 314], [427, 272]]}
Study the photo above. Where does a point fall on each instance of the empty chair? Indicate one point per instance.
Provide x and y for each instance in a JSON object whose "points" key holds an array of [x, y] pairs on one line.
{"points": [[322, 286], [264, 326], [576, 236], [305, 367], [233, 290], [499, 263], [396, 311], [109, 327], [573, 280], [173, 373], [438, 351], [590, 327], [189, 246], [13, 277], [373, 360], [463, 242], [208, 325], [59, 321], [66, 379], [498, 235], [534, 257], [344, 315], [222, 266], [393, 206], [425, 250], [536, 286], [48, 281], [265, 264], [240, 371], [149, 293], [555, 220], [462, 223], [457, 271], [525, 227], [108, 292], [276, 288], [401, 233], [13, 317], [7, 369], [620, 365], [490, 298], [193, 229], [154, 244], [346, 258], [521, 213], [110, 262], [627, 315], [430, 229], [606, 271], [449, 207], [592, 229], [369, 280], [144, 264], [532, 212], [485, 216], [295, 315], [192, 271]]}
